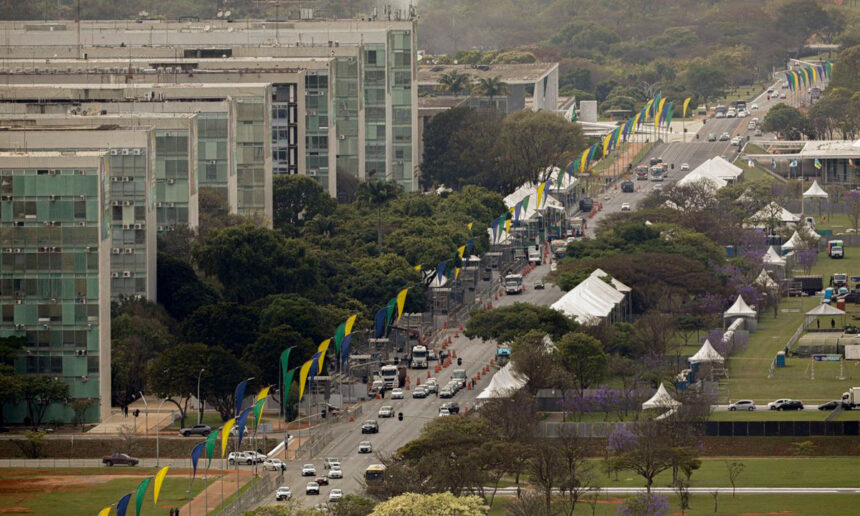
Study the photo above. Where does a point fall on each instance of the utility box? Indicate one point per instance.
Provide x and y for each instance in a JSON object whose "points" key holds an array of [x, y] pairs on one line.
{"points": [[780, 359]]}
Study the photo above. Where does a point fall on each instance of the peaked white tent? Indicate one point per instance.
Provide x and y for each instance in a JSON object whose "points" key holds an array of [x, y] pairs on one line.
{"points": [[765, 281], [714, 183], [503, 383], [707, 353], [590, 301], [621, 287], [719, 168], [773, 212], [815, 192], [795, 242], [771, 257], [739, 309], [662, 399], [825, 309]]}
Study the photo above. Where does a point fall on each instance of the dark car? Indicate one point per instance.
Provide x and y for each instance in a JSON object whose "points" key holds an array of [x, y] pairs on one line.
{"points": [[452, 406], [370, 427], [119, 459], [830, 405], [203, 430], [323, 481], [627, 186], [791, 405]]}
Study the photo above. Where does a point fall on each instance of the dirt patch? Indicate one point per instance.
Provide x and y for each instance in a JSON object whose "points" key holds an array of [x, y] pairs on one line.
{"points": [[15, 510]]}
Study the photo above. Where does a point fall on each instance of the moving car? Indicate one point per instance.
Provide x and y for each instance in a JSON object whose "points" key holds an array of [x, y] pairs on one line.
{"points": [[370, 427], [386, 411], [323, 481], [257, 457], [782, 95], [446, 392], [335, 473], [830, 405], [625, 206], [711, 137], [241, 458], [444, 412], [397, 394], [538, 285], [742, 405], [725, 137], [452, 406], [753, 107], [335, 495], [283, 493], [736, 141], [720, 114], [658, 187], [685, 167], [431, 387], [203, 430], [312, 488], [731, 113], [365, 447], [120, 459], [274, 465], [419, 392], [785, 404], [331, 462], [309, 470]]}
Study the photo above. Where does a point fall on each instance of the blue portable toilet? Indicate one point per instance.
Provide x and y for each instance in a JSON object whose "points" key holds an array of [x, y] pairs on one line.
{"points": [[780, 359]]}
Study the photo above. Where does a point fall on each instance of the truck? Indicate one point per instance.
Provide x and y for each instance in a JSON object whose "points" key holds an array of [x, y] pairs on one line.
{"points": [[627, 186], [419, 357], [642, 173], [514, 284], [839, 279], [657, 173], [534, 255], [808, 284], [851, 398], [393, 376], [835, 249], [503, 353], [586, 204]]}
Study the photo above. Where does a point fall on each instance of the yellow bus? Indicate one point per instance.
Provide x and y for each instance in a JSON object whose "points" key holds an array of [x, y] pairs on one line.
{"points": [[374, 474]]}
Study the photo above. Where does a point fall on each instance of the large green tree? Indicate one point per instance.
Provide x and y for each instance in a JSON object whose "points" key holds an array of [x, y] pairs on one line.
{"points": [[229, 325], [298, 199], [787, 121], [40, 392], [584, 359], [375, 194], [506, 323]]}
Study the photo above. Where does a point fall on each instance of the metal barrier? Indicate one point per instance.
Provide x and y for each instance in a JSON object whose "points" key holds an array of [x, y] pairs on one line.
{"points": [[261, 488]]}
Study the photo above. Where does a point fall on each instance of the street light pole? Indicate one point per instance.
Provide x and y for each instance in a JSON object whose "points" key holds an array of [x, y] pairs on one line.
{"points": [[199, 403], [146, 407], [157, 428]]}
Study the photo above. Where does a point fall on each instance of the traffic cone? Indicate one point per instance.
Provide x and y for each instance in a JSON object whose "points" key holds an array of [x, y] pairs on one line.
{"points": [[454, 353], [456, 334], [428, 374], [351, 417], [378, 396], [468, 386], [407, 383], [418, 381], [445, 325]]}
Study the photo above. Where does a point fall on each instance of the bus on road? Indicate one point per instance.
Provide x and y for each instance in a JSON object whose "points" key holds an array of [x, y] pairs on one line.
{"points": [[374, 474]]}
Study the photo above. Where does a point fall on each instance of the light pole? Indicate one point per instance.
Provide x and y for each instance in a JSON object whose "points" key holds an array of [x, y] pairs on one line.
{"points": [[199, 403], [146, 407], [157, 428]]}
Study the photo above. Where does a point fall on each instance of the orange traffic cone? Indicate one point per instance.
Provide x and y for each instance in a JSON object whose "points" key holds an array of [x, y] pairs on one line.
{"points": [[378, 396], [351, 417], [456, 334], [461, 326], [418, 381], [407, 383], [454, 353], [445, 325], [468, 386], [428, 374]]}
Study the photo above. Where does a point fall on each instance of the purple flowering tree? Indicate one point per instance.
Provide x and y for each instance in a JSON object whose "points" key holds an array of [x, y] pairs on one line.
{"points": [[806, 258], [644, 504], [752, 247]]}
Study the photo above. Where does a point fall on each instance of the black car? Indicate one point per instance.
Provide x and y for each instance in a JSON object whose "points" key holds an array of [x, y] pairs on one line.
{"points": [[830, 405], [370, 427], [627, 186], [791, 405], [452, 406]]}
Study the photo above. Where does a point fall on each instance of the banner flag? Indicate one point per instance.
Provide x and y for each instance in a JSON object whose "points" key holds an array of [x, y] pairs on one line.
{"points": [[156, 485]]}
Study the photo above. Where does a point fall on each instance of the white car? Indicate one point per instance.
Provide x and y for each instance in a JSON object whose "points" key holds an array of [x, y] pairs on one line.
{"points": [[274, 465], [658, 187], [553, 267], [309, 470], [625, 206], [397, 394], [312, 488], [753, 107], [235, 431], [335, 473], [259, 458], [386, 411], [685, 167], [365, 447], [742, 405], [335, 495], [444, 412], [240, 458], [283, 493], [431, 387]]}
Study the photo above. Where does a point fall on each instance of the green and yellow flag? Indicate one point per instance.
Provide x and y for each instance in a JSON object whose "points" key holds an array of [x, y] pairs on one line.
{"points": [[323, 347], [105, 511], [350, 321]]}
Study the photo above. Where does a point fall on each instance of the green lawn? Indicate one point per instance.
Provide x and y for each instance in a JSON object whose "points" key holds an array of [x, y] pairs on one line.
{"points": [[64, 493]]}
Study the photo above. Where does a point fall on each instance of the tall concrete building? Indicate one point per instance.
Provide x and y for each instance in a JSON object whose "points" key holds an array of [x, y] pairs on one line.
{"points": [[360, 112], [55, 229]]}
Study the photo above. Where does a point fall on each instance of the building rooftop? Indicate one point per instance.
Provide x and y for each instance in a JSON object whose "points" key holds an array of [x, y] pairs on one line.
{"points": [[527, 73], [830, 149], [440, 102], [52, 154]]}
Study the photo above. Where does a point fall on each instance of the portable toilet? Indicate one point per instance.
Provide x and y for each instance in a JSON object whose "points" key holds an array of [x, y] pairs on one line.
{"points": [[780, 359]]}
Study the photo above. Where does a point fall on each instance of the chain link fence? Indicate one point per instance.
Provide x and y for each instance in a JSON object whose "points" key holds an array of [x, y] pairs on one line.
{"points": [[261, 488]]}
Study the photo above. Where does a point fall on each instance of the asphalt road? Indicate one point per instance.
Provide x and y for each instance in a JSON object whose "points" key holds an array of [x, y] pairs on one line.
{"points": [[416, 412]]}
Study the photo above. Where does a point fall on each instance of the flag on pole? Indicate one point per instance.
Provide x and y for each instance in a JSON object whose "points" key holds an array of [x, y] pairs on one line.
{"points": [[258, 413], [303, 377], [225, 435], [817, 164], [210, 447], [122, 505], [139, 494], [401, 301], [156, 486], [686, 104], [670, 112], [793, 163], [540, 190], [240, 395], [240, 424], [196, 452], [285, 361], [105, 511], [469, 225], [345, 348]]}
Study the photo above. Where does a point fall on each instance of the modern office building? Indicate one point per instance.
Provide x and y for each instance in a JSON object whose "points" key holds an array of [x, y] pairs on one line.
{"points": [[55, 229], [133, 218], [361, 111]]}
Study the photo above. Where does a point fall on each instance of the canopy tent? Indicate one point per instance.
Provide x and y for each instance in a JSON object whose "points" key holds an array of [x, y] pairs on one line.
{"points": [[695, 176], [795, 242], [621, 287], [771, 257], [771, 213], [719, 168], [815, 192], [707, 353], [503, 383], [739, 309], [590, 301], [662, 400], [825, 309], [530, 190], [765, 281]]}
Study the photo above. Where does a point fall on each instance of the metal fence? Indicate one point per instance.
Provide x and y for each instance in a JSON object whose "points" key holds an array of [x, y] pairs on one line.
{"points": [[260, 489], [781, 428]]}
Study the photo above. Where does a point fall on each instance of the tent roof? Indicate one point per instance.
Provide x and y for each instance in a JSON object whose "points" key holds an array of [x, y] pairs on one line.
{"points": [[530, 190], [815, 191], [662, 399], [765, 280], [707, 353], [621, 287], [699, 175], [771, 257], [739, 309], [503, 383], [590, 301], [719, 168], [774, 210], [793, 243], [825, 309]]}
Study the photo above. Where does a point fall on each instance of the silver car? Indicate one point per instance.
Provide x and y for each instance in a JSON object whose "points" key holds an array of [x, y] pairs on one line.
{"points": [[742, 405]]}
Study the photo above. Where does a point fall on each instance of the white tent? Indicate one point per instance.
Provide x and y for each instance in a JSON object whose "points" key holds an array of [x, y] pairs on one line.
{"points": [[739, 309], [825, 309], [771, 257], [530, 190], [795, 242], [772, 212], [621, 287], [715, 183], [719, 168], [590, 301], [815, 192], [662, 399], [707, 353], [765, 281], [503, 383]]}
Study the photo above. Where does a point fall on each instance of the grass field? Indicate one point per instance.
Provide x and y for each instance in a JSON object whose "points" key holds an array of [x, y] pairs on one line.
{"points": [[83, 492]]}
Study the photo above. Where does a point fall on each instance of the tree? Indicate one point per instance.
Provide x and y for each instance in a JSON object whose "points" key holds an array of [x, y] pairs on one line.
{"points": [[80, 406], [436, 504], [375, 194], [648, 454], [583, 358], [10, 347], [229, 325], [180, 291], [214, 213], [10, 387], [734, 470], [706, 80], [787, 121], [539, 362], [491, 87], [506, 323], [532, 141], [454, 82], [575, 452], [798, 19], [223, 372], [173, 374], [39, 393], [351, 505], [852, 207], [298, 199], [547, 469], [266, 351]]}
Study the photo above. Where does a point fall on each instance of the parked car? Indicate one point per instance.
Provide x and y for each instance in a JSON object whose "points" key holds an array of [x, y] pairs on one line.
{"points": [[538, 285], [365, 447], [685, 167], [452, 406], [257, 457], [331, 462], [335, 473], [446, 392], [312, 488], [235, 431], [397, 394], [370, 427], [283, 493], [335, 495], [203, 430], [274, 465], [742, 405], [323, 481], [431, 387], [386, 411], [119, 459], [240, 458], [830, 405], [309, 470]]}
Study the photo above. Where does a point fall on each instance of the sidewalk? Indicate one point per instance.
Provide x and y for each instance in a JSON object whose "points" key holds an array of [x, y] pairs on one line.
{"points": [[210, 498]]}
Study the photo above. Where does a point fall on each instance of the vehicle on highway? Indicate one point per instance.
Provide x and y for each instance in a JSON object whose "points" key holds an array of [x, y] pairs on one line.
{"points": [[259, 458], [658, 172], [720, 110], [323, 481], [753, 107], [419, 357], [785, 404], [454, 386], [757, 132], [685, 167], [742, 405], [830, 405], [770, 90], [397, 394], [370, 427], [743, 113], [514, 284], [365, 447], [627, 186], [538, 285], [460, 376], [203, 430], [376, 387], [374, 474], [391, 376], [335, 495], [452, 406], [782, 95], [283, 493], [731, 113], [240, 458], [446, 392], [625, 206], [725, 137], [736, 141], [309, 470], [641, 173], [335, 473], [720, 115], [385, 411], [419, 392], [119, 459], [851, 398], [274, 465], [658, 187], [331, 463], [553, 267], [712, 137], [444, 412], [431, 387], [312, 488], [586, 204]]}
